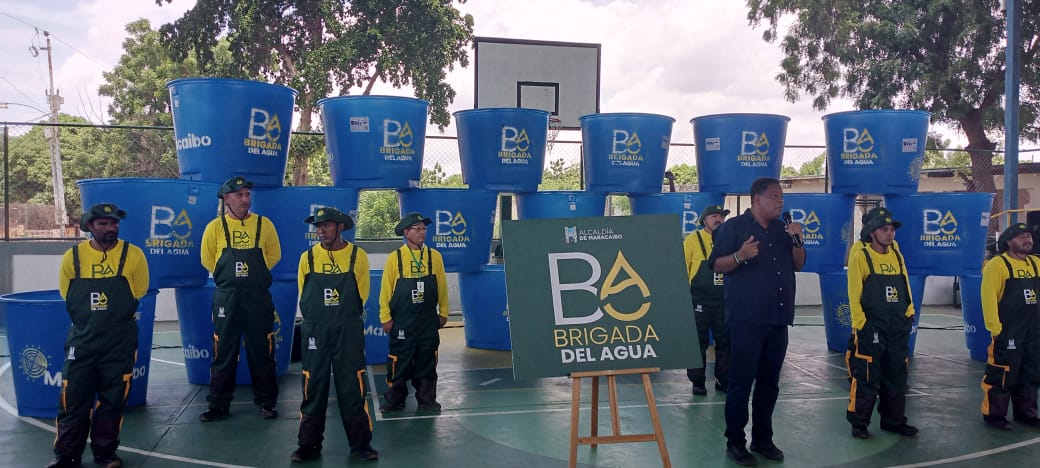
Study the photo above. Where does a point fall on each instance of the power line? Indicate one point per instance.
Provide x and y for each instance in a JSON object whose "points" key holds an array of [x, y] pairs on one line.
{"points": [[38, 29]]}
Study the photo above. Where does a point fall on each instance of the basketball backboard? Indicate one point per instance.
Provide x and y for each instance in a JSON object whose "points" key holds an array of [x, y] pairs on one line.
{"points": [[559, 77]]}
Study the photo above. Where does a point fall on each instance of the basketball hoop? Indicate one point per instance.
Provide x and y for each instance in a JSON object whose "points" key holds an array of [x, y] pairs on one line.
{"points": [[554, 129]]}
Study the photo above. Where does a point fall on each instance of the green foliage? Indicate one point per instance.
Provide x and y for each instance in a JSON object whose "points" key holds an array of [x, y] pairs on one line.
{"points": [[321, 47], [787, 172], [436, 178], [935, 55], [560, 176], [378, 213], [685, 174], [812, 168]]}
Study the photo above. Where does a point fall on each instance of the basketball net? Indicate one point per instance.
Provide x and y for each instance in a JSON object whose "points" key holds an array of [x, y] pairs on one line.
{"points": [[554, 130]]}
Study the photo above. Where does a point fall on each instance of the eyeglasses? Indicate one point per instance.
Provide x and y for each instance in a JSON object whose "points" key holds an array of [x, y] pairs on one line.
{"points": [[421, 227]]}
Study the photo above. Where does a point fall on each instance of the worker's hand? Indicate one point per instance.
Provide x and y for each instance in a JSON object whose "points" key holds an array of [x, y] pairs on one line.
{"points": [[442, 319], [794, 229], [388, 326]]}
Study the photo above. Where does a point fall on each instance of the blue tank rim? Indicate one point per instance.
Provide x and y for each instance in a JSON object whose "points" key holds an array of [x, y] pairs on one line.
{"points": [[376, 97], [877, 112], [624, 115], [944, 194], [673, 194], [445, 190], [308, 188], [111, 180], [45, 297], [743, 115], [230, 81], [561, 192], [490, 267], [502, 110]]}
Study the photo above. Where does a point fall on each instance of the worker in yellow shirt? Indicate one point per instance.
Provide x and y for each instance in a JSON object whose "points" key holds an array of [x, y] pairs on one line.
{"points": [[240, 248], [882, 317], [706, 292], [333, 280], [1010, 284], [413, 305], [102, 280]]}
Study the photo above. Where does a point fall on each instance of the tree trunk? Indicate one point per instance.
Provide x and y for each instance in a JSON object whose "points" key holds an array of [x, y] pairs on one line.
{"points": [[299, 176]]}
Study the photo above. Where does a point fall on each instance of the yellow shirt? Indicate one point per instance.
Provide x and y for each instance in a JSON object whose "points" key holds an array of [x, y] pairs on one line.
{"points": [[390, 278], [692, 249], [993, 276], [339, 263], [886, 263], [135, 269], [242, 233]]}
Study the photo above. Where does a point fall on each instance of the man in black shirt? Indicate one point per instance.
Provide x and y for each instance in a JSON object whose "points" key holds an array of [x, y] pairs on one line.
{"points": [[759, 255]]}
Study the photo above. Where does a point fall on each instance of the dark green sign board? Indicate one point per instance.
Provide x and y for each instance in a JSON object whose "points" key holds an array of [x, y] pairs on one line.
{"points": [[603, 293]]}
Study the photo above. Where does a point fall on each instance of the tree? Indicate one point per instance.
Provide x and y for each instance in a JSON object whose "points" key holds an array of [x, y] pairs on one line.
{"points": [[324, 47], [560, 176], [377, 214], [814, 167], [940, 56], [685, 174]]}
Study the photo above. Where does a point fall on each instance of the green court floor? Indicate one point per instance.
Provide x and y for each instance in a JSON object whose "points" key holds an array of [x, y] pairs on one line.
{"points": [[491, 420]]}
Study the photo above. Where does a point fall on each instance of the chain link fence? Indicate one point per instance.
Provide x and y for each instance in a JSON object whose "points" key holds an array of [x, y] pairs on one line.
{"points": [[93, 151]]}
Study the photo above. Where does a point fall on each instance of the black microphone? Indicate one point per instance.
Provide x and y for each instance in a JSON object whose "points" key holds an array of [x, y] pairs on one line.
{"points": [[796, 238]]}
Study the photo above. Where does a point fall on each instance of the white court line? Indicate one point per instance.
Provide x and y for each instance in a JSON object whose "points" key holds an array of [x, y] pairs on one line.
{"points": [[168, 362], [13, 412], [972, 456], [489, 382], [377, 414]]}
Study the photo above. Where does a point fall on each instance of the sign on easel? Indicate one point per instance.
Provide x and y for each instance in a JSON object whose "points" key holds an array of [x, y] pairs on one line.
{"points": [[602, 293]]}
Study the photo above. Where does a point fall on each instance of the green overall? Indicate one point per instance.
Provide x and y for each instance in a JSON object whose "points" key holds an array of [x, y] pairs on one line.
{"points": [[242, 305], [1013, 370], [414, 338], [99, 361], [333, 339], [710, 314], [878, 354]]}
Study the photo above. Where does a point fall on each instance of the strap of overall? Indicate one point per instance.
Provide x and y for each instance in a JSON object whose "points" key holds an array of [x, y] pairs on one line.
{"points": [[429, 260], [870, 263], [122, 258], [1011, 273], [400, 268], [75, 259], [310, 258], [259, 223], [700, 240], [353, 257]]}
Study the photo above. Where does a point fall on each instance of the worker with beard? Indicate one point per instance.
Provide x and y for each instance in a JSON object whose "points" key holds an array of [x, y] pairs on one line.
{"points": [[333, 280], [102, 280], [1010, 284], [706, 292], [882, 318], [240, 248]]}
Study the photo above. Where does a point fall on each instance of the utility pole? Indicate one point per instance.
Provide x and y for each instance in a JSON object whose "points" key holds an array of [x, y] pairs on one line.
{"points": [[52, 133]]}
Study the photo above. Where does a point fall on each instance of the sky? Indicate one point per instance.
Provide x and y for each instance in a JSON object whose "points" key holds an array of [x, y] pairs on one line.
{"points": [[679, 58]]}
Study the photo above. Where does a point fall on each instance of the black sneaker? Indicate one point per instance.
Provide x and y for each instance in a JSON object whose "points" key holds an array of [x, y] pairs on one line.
{"points": [[768, 450], [387, 407], [1033, 421], [268, 412], [901, 429], [366, 453], [108, 461], [430, 406], [698, 389], [719, 387], [306, 453], [740, 455], [214, 414], [860, 433], [65, 462], [1000, 423]]}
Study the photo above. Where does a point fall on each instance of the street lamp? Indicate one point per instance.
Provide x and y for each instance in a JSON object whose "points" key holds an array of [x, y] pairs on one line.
{"points": [[3, 105]]}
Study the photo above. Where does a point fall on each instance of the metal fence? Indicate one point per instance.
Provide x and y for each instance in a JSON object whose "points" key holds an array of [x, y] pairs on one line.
{"points": [[91, 151]]}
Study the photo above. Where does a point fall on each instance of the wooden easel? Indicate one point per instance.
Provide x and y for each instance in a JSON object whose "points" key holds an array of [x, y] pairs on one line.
{"points": [[616, 437]]}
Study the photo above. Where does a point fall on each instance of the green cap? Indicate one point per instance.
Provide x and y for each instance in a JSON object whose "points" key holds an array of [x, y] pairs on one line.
{"points": [[101, 210], [875, 212], [713, 209], [1010, 233], [409, 220], [233, 184], [881, 217], [328, 213]]}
